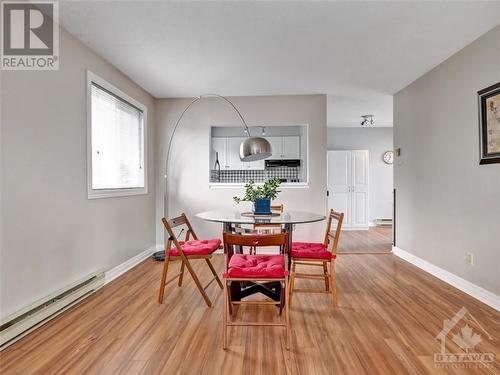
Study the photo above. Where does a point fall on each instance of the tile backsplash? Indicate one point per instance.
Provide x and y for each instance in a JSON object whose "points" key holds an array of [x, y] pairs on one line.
{"points": [[290, 174]]}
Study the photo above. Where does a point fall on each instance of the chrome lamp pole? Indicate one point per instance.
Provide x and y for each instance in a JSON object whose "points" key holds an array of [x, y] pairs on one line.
{"points": [[251, 149]]}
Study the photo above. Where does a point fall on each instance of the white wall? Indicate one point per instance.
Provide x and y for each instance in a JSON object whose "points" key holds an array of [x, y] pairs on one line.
{"points": [[52, 234], [447, 204], [189, 168], [376, 141]]}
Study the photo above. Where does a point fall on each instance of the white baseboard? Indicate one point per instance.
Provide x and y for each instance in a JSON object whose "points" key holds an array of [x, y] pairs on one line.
{"points": [[120, 269], [465, 286], [354, 228]]}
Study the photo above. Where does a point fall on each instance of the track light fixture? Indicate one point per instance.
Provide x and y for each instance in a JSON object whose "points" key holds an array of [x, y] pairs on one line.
{"points": [[367, 120], [262, 130]]}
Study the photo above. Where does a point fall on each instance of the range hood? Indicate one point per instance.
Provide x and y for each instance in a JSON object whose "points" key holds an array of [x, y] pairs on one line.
{"points": [[282, 163]]}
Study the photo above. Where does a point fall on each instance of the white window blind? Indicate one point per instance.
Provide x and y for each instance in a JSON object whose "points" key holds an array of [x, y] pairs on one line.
{"points": [[117, 136]]}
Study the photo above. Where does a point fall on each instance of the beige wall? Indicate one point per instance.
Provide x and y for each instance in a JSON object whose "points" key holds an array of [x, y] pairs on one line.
{"points": [[52, 234], [189, 160], [448, 204]]}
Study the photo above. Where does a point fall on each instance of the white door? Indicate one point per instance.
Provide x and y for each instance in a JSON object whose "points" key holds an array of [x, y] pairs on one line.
{"points": [[276, 147], [348, 186], [291, 147], [359, 189], [219, 147], [233, 153], [339, 182]]}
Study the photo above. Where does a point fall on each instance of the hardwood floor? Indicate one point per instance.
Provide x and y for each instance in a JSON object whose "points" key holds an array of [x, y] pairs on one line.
{"points": [[373, 240], [388, 317]]}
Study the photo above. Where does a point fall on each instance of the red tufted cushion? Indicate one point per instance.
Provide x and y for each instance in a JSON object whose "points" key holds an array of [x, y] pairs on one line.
{"points": [[254, 266], [311, 250], [196, 247]]}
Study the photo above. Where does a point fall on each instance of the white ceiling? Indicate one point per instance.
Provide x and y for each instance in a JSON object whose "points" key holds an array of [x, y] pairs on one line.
{"points": [[346, 111], [360, 53]]}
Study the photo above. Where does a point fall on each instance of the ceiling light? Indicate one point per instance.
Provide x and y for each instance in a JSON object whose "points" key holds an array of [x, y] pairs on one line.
{"points": [[367, 120]]}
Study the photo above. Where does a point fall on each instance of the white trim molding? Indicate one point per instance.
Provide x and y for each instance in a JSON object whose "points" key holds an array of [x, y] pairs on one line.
{"points": [[120, 269], [481, 294]]}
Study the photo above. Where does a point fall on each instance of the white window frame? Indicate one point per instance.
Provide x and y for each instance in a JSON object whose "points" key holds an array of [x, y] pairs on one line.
{"points": [[118, 192]]}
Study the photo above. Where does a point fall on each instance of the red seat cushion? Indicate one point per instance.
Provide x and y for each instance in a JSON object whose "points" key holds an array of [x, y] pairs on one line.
{"points": [[311, 250], [255, 266], [196, 247]]}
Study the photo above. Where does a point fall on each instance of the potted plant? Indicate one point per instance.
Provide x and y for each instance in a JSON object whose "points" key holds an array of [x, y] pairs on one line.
{"points": [[261, 196]]}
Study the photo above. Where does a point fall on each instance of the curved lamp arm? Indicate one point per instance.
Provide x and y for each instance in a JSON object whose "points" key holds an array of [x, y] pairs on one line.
{"points": [[165, 196]]}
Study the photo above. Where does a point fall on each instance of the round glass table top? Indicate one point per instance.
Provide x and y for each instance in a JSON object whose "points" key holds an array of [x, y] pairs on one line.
{"points": [[286, 217]]}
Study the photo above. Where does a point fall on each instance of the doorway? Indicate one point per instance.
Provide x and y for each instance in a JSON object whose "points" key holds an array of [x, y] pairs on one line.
{"points": [[368, 209]]}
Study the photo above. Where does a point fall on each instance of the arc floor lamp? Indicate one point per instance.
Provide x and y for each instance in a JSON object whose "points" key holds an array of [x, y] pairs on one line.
{"points": [[251, 149]]}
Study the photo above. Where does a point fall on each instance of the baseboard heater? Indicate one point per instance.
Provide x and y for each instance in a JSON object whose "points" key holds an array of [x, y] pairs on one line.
{"points": [[23, 322], [383, 222]]}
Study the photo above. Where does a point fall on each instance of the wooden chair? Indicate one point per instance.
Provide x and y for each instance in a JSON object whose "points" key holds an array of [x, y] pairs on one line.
{"points": [[256, 268], [268, 228], [318, 254], [185, 251]]}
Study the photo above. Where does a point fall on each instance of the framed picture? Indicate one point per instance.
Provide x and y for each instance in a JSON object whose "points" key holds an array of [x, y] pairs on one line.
{"points": [[489, 124]]}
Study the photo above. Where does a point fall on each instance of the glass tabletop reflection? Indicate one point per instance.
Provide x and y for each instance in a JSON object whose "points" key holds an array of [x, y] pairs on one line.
{"points": [[237, 217]]}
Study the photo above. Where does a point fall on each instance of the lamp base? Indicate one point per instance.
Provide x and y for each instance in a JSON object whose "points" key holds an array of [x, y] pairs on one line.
{"points": [[159, 256]]}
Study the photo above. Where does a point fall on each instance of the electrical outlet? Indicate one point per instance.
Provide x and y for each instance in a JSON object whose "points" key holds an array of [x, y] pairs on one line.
{"points": [[470, 258]]}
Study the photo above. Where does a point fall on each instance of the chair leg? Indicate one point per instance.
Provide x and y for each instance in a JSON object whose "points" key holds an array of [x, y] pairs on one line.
{"points": [[224, 316], [292, 283], [282, 298], [197, 282], [334, 283], [163, 279], [181, 275], [229, 301], [325, 272], [214, 272], [287, 318]]}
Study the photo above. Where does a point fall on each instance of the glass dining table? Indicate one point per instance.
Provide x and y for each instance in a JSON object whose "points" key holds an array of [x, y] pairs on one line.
{"points": [[233, 219]]}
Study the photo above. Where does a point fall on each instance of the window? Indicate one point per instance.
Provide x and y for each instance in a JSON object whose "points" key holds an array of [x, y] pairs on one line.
{"points": [[116, 145]]}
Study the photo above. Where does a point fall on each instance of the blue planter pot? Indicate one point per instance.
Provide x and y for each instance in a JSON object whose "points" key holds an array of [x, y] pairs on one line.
{"points": [[262, 206]]}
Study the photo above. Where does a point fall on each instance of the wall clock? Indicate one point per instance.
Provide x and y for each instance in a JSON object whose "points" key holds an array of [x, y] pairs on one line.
{"points": [[388, 157]]}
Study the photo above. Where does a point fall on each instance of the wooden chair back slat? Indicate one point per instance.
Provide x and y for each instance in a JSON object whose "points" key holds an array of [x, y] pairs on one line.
{"points": [[280, 239], [332, 238], [274, 208], [277, 208], [176, 222]]}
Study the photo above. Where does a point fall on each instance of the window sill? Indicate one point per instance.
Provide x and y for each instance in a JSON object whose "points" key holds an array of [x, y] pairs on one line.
{"points": [[112, 193]]}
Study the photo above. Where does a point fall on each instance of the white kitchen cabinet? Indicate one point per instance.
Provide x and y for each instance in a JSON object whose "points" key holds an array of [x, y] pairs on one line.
{"points": [[276, 147], [218, 152], [291, 148], [348, 186], [287, 147], [233, 154], [229, 154]]}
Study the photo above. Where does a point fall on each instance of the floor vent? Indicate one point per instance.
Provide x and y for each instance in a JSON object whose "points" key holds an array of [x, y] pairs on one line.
{"points": [[383, 222], [20, 324]]}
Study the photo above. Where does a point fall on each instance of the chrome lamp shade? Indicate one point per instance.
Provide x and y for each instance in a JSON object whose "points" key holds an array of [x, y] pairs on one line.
{"points": [[255, 148]]}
